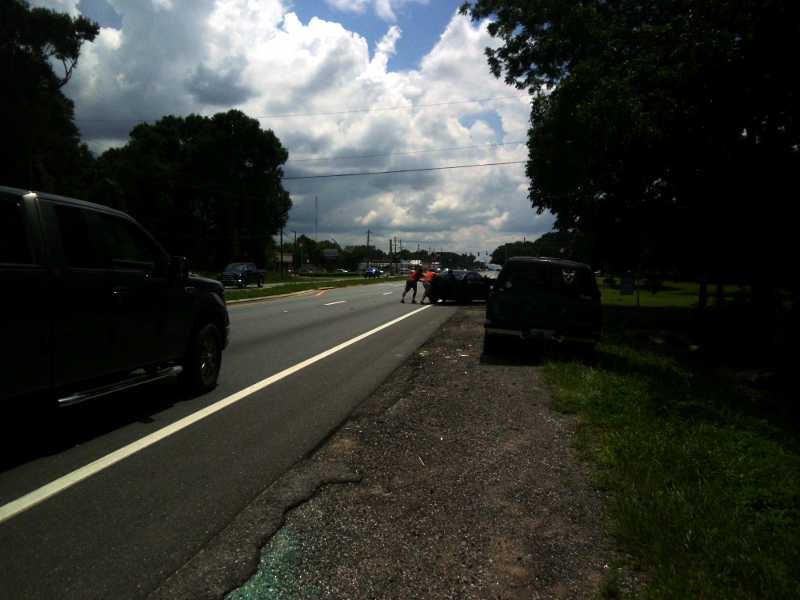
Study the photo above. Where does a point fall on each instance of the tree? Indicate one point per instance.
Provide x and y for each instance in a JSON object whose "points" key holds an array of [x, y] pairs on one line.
{"points": [[41, 145], [667, 131], [353, 256], [453, 260], [554, 244], [208, 187], [311, 252]]}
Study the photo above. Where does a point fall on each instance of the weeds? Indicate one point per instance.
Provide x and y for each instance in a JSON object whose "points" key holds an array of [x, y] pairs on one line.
{"points": [[705, 495]]}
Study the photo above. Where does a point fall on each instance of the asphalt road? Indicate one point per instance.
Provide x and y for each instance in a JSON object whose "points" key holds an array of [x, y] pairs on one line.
{"points": [[122, 531]]}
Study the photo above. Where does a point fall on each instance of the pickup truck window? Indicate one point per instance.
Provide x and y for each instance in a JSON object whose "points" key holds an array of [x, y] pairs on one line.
{"points": [[14, 244], [76, 243], [125, 245]]}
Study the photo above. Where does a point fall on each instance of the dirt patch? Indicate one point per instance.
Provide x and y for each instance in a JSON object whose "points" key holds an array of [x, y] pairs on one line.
{"points": [[470, 489]]}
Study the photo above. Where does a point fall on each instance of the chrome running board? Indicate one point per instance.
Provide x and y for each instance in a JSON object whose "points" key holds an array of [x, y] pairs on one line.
{"points": [[125, 384]]}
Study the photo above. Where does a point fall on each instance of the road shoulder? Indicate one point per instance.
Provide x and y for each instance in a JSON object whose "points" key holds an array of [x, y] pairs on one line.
{"points": [[454, 479]]}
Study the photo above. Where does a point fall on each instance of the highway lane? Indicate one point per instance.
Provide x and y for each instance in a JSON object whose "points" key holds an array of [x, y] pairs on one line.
{"points": [[266, 337], [125, 529]]}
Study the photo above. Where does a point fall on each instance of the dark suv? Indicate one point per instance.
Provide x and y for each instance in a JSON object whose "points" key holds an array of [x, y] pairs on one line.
{"points": [[92, 304], [543, 299], [241, 274]]}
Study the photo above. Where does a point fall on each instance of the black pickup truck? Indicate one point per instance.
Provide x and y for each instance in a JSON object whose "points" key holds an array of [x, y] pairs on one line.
{"points": [[241, 274], [91, 304]]}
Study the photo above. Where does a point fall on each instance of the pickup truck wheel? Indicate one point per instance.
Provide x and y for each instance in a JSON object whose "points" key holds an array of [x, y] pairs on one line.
{"points": [[203, 359]]}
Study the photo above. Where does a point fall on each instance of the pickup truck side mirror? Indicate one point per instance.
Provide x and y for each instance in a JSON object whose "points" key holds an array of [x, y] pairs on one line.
{"points": [[178, 268]]}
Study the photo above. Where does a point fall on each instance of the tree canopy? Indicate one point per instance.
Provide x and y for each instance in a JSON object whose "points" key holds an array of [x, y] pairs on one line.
{"points": [[39, 49], [554, 244], [208, 187], [662, 129]]}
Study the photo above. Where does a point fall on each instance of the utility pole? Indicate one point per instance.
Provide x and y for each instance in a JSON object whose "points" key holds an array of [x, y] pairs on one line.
{"points": [[280, 266], [294, 253], [316, 214], [368, 232]]}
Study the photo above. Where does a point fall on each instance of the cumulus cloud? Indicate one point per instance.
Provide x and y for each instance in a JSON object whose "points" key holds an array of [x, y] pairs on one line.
{"points": [[309, 83], [355, 6], [221, 86], [385, 9]]}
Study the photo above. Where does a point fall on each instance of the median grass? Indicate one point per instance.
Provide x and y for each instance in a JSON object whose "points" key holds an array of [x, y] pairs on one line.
{"points": [[299, 286], [701, 472]]}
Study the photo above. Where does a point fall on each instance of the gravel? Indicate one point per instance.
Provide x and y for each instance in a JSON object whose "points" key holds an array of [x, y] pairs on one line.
{"points": [[455, 479]]}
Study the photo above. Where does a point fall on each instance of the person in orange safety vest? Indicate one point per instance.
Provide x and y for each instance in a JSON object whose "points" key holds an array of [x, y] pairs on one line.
{"points": [[411, 284], [427, 280]]}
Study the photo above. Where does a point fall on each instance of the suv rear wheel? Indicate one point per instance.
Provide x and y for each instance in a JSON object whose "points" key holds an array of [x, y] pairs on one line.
{"points": [[203, 359]]}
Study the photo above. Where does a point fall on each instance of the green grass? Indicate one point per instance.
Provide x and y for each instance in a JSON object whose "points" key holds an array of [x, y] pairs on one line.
{"points": [[674, 294], [703, 486], [299, 286], [275, 276], [333, 274]]}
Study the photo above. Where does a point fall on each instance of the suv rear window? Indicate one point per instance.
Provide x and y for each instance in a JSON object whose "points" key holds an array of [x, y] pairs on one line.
{"points": [[528, 276], [14, 244]]}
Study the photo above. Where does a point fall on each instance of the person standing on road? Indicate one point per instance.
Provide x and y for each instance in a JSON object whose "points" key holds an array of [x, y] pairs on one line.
{"points": [[427, 282], [411, 284]]}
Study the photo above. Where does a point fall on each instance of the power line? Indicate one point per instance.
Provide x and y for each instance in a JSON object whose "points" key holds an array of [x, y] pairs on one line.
{"points": [[332, 113], [432, 150], [512, 162]]}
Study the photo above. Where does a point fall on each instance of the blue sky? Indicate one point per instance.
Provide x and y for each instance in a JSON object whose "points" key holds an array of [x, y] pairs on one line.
{"points": [[422, 25]]}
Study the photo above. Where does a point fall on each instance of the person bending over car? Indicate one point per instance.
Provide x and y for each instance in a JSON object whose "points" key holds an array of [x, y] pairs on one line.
{"points": [[427, 282]]}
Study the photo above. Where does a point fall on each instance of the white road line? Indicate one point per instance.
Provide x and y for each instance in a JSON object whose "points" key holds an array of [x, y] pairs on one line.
{"points": [[10, 510], [387, 293], [337, 302]]}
